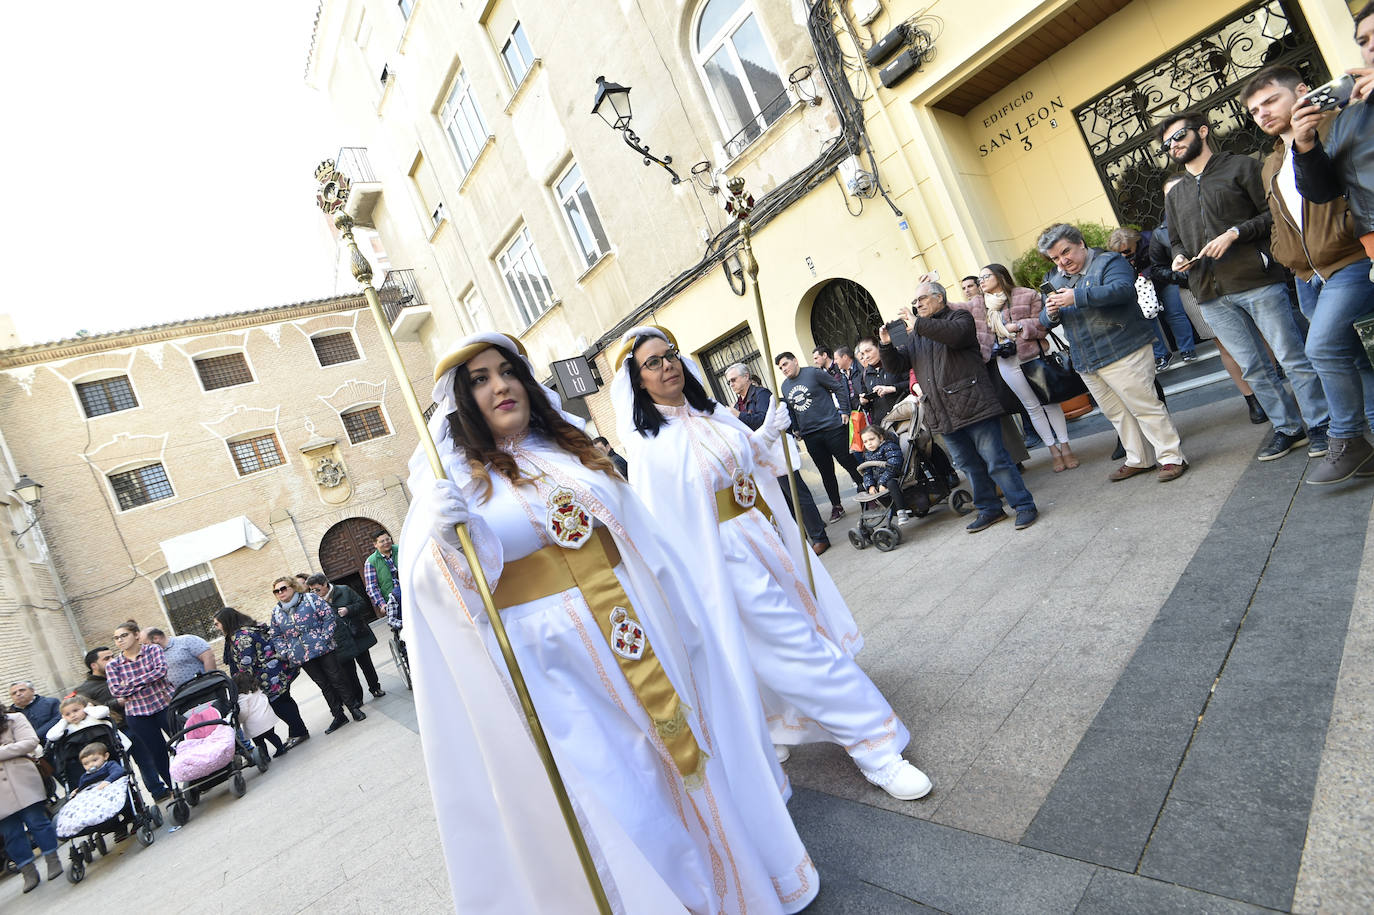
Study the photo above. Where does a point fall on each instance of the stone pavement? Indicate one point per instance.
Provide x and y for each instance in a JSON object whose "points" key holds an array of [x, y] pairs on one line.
{"points": [[1154, 700]]}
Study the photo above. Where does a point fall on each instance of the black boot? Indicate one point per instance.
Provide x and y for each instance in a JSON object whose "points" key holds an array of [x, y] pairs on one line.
{"points": [[1257, 414], [338, 722], [357, 712]]}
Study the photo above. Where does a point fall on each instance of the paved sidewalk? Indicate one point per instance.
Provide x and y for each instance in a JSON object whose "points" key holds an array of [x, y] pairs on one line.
{"points": [[1156, 699]]}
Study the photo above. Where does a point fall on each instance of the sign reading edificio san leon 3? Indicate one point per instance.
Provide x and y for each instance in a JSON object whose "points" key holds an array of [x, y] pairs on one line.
{"points": [[1027, 115]]}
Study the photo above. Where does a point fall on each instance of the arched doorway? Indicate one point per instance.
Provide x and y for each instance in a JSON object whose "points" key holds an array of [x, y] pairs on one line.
{"points": [[344, 548], [842, 313]]}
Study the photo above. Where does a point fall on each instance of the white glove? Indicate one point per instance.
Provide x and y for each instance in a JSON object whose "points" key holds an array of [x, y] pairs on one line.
{"points": [[448, 509], [776, 421]]}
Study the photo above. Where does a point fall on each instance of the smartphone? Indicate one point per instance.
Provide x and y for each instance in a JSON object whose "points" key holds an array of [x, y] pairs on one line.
{"points": [[898, 333], [1047, 288], [1332, 95]]}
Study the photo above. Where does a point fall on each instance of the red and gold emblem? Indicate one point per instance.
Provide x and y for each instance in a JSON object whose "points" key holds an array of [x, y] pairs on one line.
{"points": [[627, 636], [569, 524], [745, 489]]}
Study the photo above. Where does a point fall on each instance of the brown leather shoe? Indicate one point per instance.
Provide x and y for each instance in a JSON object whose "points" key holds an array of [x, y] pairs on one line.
{"points": [[819, 546], [1125, 472], [1168, 472]]}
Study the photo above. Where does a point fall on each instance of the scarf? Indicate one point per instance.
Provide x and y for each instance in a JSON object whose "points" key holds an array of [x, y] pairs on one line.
{"points": [[996, 302]]}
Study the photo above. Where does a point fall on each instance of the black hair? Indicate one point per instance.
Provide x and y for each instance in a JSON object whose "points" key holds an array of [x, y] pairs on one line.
{"points": [[785, 354], [967, 278], [156, 633], [1272, 75], [601, 440], [647, 418], [379, 533], [1192, 120], [232, 620], [829, 353], [93, 655], [316, 579], [1365, 12], [843, 351]]}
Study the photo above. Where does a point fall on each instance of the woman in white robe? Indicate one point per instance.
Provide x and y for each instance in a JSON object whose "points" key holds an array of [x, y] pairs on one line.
{"points": [[680, 805], [708, 475]]}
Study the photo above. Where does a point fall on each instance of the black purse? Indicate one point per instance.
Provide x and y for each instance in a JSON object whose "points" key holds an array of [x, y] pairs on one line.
{"points": [[1004, 348], [1051, 375]]}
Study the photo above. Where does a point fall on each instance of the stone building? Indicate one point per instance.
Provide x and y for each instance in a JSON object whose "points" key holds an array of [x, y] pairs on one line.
{"points": [[477, 160], [187, 465]]}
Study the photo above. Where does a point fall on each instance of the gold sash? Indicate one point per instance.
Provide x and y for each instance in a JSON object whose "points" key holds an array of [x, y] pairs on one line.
{"points": [[727, 508], [554, 569]]}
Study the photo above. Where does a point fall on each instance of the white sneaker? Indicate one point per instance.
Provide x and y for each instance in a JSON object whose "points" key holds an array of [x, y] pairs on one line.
{"points": [[901, 779], [782, 753], [904, 516]]}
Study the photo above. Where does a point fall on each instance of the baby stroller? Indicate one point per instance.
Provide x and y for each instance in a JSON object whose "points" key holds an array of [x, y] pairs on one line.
{"points": [[119, 809], [928, 478], [206, 749]]}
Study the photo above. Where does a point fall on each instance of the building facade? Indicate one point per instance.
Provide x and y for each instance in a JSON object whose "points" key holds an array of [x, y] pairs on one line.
{"points": [[187, 465], [480, 166]]}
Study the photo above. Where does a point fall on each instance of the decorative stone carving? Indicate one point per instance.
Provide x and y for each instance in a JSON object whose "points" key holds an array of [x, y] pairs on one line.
{"points": [[329, 473]]}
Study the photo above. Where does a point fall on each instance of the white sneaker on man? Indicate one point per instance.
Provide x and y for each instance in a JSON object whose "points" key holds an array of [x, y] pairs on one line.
{"points": [[901, 779], [782, 753]]}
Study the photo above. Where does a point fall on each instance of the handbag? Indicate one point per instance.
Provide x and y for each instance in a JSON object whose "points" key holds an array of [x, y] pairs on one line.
{"points": [[858, 422], [1051, 376], [1145, 294]]}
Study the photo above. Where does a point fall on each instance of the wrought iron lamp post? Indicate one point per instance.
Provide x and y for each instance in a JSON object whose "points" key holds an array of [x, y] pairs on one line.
{"points": [[31, 494], [617, 97], [331, 197]]}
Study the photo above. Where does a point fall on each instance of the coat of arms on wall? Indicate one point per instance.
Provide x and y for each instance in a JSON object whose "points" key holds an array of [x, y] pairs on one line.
{"points": [[329, 473]]}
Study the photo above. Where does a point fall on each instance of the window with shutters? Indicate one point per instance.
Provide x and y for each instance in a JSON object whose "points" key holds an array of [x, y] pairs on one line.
{"points": [[140, 486], [256, 453], [364, 423], [333, 348], [107, 395], [224, 371]]}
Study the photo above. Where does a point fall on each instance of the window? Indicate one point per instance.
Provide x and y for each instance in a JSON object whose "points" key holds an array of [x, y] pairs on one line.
{"points": [[192, 599], [364, 423], [472, 302], [463, 123], [108, 395], [223, 371], [525, 276], [254, 454], [741, 77], [583, 221], [428, 189], [516, 55], [429, 411], [331, 349], [133, 488]]}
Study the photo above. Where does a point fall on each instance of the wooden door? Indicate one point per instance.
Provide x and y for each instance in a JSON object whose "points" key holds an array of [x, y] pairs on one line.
{"points": [[345, 546]]}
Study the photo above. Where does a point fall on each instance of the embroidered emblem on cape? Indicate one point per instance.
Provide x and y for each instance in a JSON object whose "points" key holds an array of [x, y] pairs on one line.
{"points": [[568, 523], [745, 489], [627, 636]]}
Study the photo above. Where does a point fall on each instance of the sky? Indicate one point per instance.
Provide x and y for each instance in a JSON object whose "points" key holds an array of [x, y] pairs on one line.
{"points": [[157, 163]]}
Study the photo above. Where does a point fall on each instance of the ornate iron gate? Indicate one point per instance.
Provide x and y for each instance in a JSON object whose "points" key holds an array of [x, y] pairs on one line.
{"points": [[1203, 75], [842, 314], [738, 347]]}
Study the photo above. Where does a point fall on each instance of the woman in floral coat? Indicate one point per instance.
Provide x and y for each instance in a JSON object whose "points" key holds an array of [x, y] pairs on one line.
{"points": [[248, 647], [303, 630]]}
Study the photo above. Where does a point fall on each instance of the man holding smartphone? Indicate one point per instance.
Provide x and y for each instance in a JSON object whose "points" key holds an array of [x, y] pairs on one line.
{"points": [[1315, 241], [1219, 227]]}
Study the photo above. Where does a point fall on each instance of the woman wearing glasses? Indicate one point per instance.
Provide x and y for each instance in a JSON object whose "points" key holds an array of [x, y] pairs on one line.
{"points": [[303, 628], [682, 804], [713, 482], [137, 674], [1013, 314]]}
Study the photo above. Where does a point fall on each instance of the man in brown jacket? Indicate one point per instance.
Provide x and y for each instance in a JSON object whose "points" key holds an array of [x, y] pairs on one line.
{"points": [[1317, 241]]}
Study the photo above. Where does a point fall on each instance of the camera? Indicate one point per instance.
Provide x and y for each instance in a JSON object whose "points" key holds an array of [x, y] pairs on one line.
{"points": [[1004, 348], [1332, 95]]}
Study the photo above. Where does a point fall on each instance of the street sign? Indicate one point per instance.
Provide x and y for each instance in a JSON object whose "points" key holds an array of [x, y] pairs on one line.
{"points": [[574, 377]]}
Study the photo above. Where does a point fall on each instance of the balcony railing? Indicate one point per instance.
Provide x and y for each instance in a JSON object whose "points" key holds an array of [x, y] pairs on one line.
{"points": [[398, 292], [756, 125], [353, 162]]}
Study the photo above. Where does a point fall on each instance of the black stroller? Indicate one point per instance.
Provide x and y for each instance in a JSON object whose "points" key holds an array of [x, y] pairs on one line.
{"points": [[136, 817], [213, 688], [928, 478]]}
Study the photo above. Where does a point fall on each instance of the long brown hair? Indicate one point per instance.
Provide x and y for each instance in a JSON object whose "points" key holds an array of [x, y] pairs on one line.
{"points": [[471, 433]]}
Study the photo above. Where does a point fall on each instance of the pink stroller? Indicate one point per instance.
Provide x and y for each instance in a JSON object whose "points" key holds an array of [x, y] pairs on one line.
{"points": [[206, 749]]}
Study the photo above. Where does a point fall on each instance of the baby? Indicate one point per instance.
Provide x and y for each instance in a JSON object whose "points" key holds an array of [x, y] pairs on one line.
{"points": [[879, 447], [100, 769], [78, 712]]}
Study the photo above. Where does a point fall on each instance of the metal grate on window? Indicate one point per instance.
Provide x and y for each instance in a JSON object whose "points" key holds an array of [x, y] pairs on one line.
{"points": [[331, 349], [108, 395], [133, 488], [223, 371], [192, 600], [254, 454], [365, 423]]}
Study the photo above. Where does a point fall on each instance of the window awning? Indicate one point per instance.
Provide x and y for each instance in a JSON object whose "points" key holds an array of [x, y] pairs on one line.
{"points": [[187, 550]]}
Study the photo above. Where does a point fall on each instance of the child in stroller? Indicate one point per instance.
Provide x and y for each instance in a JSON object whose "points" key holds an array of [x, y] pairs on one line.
{"points": [[104, 799], [78, 713], [206, 749]]}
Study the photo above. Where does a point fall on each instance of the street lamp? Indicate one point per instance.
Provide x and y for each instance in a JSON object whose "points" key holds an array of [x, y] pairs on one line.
{"points": [[617, 98], [31, 494]]}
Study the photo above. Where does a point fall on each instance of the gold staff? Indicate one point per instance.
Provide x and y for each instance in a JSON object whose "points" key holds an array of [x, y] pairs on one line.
{"points": [[333, 193], [741, 204]]}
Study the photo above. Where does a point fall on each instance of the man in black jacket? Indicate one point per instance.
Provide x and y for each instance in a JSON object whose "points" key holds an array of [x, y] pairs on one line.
{"points": [[355, 613], [942, 347], [751, 406], [1219, 228], [809, 395]]}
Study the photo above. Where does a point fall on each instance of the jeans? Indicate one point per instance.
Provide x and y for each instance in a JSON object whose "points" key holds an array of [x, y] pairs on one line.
{"points": [[148, 733], [1331, 306], [1178, 323], [827, 448], [334, 686], [40, 829], [1235, 317], [979, 452], [810, 517]]}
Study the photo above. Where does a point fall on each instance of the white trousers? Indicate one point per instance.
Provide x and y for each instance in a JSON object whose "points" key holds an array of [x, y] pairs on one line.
{"points": [[1048, 419], [1125, 390]]}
